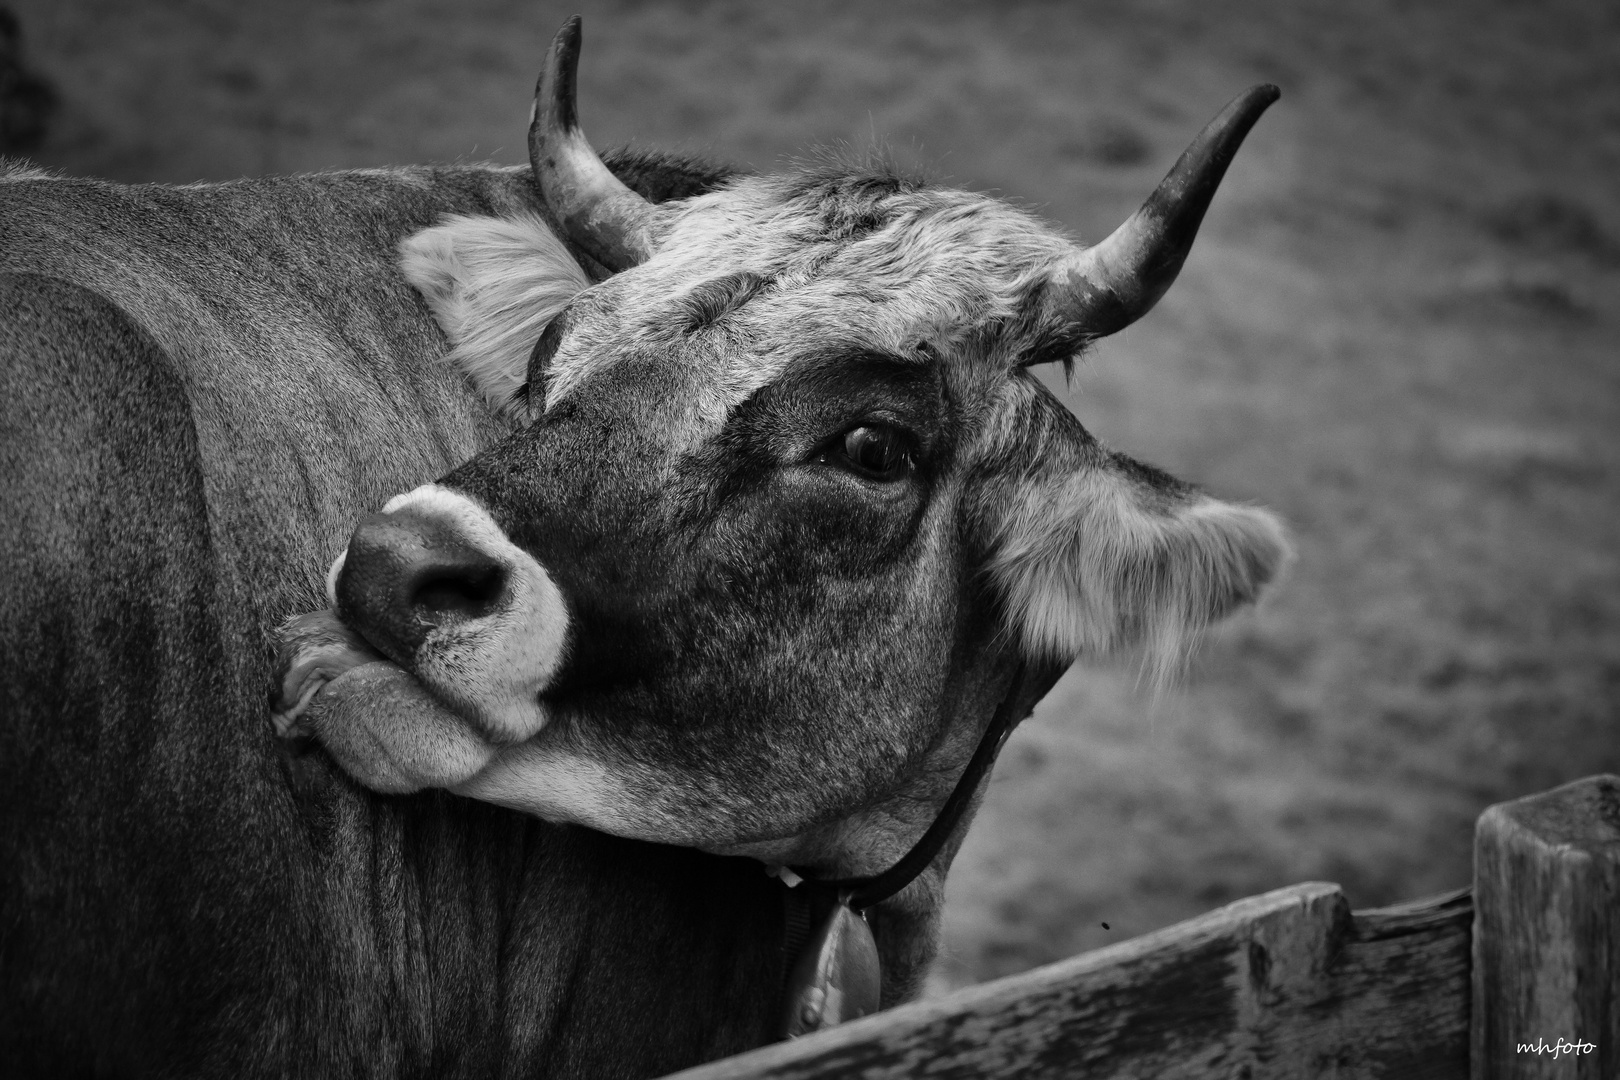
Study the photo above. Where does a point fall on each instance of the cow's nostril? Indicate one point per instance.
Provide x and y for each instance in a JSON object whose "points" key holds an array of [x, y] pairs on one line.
{"points": [[464, 593], [406, 573]]}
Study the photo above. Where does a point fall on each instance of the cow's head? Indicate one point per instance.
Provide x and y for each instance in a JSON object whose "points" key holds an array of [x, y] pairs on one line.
{"points": [[786, 510]]}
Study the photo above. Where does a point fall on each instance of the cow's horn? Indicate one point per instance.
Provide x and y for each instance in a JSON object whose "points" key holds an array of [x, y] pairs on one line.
{"points": [[1107, 287], [601, 215]]}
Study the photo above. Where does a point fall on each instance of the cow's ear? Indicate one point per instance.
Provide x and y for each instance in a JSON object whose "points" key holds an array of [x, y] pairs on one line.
{"points": [[1101, 561], [493, 284]]}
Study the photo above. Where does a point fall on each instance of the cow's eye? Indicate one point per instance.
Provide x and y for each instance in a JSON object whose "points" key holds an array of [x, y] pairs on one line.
{"points": [[875, 451]]}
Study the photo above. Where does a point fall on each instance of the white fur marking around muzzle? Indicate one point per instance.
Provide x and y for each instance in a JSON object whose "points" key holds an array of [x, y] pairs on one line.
{"points": [[492, 668]]}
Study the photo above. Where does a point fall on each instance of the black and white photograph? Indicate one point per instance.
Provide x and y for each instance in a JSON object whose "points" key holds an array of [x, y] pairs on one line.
{"points": [[975, 538]]}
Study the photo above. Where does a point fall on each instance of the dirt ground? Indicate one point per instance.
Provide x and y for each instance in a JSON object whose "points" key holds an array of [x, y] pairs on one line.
{"points": [[1400, 329]]}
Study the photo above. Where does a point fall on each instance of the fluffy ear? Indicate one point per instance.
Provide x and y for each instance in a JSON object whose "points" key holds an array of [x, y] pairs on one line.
{"points": [[493, 284], [1096, 562]]}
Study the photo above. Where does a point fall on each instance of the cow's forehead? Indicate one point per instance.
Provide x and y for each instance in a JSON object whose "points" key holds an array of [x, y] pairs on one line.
{"points": [[856, 263], [877, 229]]}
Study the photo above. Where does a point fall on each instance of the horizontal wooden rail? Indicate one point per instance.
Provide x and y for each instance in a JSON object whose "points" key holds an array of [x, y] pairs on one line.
{"points": [[1288, 984], [1293, 985]]}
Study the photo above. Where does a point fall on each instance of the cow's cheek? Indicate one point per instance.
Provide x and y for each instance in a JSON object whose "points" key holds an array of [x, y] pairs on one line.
{"points": [[828, 610], [391, 735]]}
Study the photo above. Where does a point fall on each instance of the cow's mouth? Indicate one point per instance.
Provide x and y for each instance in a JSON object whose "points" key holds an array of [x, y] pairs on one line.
{"points": [[312, 651], [441, 637]]}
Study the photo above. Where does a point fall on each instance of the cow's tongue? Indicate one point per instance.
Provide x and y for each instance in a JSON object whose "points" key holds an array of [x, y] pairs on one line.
{"points": [[311, 651]]}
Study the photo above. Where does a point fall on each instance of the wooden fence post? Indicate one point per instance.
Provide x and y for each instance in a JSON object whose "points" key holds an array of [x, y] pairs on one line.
{"points": [[1547, 935]]}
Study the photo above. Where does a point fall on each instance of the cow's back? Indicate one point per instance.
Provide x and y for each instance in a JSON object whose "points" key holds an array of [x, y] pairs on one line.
{"points": [[203, 389]]}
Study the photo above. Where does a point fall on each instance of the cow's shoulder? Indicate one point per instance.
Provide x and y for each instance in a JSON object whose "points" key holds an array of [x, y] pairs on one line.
{"points": [[97, 438], [310, 369], [115, 726]]}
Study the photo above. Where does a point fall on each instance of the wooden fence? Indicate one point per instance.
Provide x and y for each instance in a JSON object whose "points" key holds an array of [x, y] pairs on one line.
{"points": [[1517, 978]]}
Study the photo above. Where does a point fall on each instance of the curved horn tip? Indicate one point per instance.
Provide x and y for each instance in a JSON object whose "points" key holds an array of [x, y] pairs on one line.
{"points": [[1121, 278], [1203, 164], [1252, 102], [595, 209], [1269, 91], [555, 89], [566, 41]]}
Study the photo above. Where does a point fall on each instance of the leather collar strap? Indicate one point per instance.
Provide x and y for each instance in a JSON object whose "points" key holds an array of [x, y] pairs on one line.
{"points": [[831, 970], [862, 893]]}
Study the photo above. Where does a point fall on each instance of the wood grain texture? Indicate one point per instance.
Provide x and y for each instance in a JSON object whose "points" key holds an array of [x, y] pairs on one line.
{"points": [[1287, 984], [1547, 935]]}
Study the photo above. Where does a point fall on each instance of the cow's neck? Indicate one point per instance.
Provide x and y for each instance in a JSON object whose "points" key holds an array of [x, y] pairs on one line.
{"points": [[860, 893], [833, 971]]}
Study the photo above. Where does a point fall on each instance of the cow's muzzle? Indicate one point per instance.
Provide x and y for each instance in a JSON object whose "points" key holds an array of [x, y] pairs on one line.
{"points": [[435, 585]]}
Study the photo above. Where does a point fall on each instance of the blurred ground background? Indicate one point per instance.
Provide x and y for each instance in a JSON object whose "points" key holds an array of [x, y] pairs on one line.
{"points": [[1400, 328]]}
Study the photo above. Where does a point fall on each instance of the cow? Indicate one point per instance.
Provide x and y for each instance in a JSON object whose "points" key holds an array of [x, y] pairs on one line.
{"points": [[692, 529]]}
